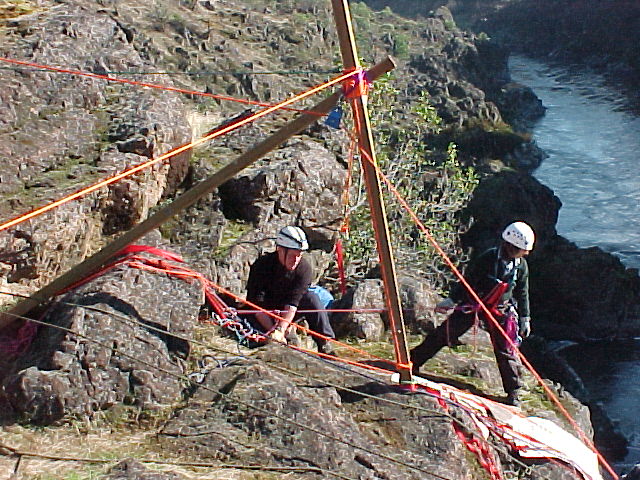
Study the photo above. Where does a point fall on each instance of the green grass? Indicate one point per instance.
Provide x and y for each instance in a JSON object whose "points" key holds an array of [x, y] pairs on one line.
{"points": [[231, 233]]}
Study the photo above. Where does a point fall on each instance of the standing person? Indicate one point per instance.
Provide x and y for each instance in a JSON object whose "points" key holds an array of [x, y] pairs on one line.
{"points": [[280, 281], [500, 277]]}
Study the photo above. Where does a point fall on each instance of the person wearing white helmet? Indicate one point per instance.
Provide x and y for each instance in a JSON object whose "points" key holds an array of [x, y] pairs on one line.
{"points": [[280, 281], [500, 277]]}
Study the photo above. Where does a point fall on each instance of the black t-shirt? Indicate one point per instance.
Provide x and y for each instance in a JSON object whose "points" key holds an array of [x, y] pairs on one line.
{"points": [[271, 286]]}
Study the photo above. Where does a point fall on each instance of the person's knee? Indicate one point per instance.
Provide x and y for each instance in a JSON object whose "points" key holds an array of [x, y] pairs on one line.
{"points": [[313, 300]]}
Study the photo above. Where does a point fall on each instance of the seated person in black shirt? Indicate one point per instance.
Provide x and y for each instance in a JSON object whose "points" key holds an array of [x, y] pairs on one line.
{"points": [[280, 281]]}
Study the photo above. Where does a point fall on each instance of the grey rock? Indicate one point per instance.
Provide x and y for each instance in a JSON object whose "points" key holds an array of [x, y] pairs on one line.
{"points": [[114, 357], [364, 326], [58, 130], [260, 416]]}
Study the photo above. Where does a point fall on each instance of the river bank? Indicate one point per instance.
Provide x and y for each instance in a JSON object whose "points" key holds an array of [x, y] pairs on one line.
{"points": [[591, 140]]}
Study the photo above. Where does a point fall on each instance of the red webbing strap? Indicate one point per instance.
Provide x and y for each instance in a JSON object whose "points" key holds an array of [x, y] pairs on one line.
{"points": [[480, 449], [219, 307], [476, 445], [25, 335], [344, 228], [340, 262], [492, 299], [125, 254]]}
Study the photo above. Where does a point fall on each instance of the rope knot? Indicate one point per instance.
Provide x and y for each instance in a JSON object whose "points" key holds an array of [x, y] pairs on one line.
{"points": [[357, 85]]}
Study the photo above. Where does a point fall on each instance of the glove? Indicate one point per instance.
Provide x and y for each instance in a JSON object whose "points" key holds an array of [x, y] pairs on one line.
{"points": [[525, 327], [445, 305]]}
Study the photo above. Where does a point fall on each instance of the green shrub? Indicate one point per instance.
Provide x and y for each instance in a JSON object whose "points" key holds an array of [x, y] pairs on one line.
{"points": [[434, 184], [401, 46]]}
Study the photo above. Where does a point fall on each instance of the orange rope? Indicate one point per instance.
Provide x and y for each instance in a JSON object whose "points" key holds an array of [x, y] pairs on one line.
{"points": [[149, 85], [344, 360], [176, 151], [344, 228], [484, 308]]}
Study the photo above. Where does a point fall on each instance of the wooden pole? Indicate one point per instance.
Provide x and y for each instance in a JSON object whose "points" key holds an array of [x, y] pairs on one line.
{"points": [[376, 204], [188, 198]]}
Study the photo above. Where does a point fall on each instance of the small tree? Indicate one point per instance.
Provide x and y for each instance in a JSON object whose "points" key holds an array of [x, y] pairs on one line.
{"points": [[434, 184]]}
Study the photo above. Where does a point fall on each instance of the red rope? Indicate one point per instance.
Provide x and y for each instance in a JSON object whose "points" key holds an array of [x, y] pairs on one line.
{"points": [[160, 266], [300, 327], [340, 264], [480, 448], [344, 228]]}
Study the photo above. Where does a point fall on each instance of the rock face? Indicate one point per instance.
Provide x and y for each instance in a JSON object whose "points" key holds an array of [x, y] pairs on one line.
{"points": [[584, 294], [303, 186], [457, 71], [123, 352], [365, 326], [254, 413], [63, 131], [80, 128]]}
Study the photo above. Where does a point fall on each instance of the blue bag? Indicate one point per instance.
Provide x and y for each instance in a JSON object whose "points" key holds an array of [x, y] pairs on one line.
{"points": [[334, 117], [323, 294]]}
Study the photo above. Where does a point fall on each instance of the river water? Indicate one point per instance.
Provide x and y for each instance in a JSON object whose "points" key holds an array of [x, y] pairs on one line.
{"points": [[593, 143]]}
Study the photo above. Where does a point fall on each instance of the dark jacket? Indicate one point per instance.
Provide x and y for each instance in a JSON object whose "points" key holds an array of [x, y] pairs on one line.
{"points": [[271, 286], [484, 273]]}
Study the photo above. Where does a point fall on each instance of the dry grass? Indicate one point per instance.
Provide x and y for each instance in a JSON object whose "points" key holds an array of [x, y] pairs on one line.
{"points": [[15, 8], [103, 443], [72, 440]]}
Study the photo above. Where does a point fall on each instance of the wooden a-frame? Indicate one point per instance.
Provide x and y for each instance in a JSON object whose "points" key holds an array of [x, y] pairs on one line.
{"points": [[94, 262], [350, 60]]}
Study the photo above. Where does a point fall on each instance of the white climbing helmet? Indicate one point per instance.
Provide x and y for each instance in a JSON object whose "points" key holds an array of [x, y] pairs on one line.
{"points": [[520, 235], [292, 237]]}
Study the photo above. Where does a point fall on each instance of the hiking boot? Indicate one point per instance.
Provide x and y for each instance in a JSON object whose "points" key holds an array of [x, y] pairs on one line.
{"points": [[513, 398], [327, 349]]}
